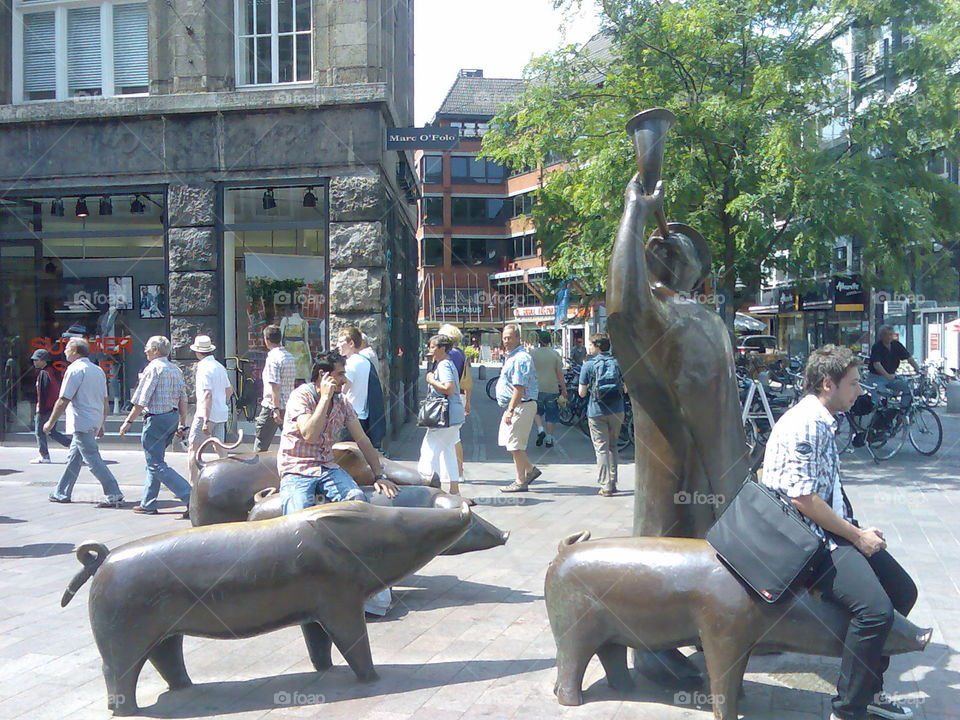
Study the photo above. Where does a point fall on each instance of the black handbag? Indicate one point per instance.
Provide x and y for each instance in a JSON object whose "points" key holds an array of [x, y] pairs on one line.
{"points": [[764, 540], [434, 412]]}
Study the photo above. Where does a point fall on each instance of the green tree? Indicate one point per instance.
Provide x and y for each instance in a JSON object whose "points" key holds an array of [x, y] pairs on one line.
{"points": [[754, 84]]}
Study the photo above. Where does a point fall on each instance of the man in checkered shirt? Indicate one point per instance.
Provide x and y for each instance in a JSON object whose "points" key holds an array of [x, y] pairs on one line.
{"points": [[858, 574], [279, 374], [315, 417], [161, 396]]}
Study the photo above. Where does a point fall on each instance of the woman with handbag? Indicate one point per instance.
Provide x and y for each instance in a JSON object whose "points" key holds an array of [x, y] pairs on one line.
{"points": [[442, 413]]}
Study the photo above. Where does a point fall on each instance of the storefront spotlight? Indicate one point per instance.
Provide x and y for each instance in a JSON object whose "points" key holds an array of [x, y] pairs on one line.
{"points": [[81, 209], [106, 205], [136, 206], [269, 203], [309, 199], [56, 207]]}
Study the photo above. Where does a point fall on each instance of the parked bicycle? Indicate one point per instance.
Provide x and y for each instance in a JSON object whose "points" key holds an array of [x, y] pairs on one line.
{"points": [[245, 399], [931, 384], [883, 426]]}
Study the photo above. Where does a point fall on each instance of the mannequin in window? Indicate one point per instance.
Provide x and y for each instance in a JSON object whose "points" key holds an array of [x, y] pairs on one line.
{"points": [[295, 331]]}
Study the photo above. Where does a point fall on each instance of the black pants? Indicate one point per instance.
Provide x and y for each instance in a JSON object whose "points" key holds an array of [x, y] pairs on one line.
{"points": [[870, 589], [266, 429]]}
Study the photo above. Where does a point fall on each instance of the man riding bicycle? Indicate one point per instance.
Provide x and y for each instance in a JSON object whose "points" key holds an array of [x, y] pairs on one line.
{"points": [[885, 357]]}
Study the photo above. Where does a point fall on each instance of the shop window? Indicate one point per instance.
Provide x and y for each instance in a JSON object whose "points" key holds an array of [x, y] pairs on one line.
{"points": [[278, 238], [274, 39], [84, 32], [431, 168], [432, 252], [433, 211], [77, 266]]}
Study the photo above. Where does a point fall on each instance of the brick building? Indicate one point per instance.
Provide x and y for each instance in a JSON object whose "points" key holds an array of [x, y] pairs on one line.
{"points": [[480, 262]]}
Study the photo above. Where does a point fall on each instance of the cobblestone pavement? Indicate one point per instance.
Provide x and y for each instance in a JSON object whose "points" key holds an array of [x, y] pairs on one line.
{"points": [[468, 636]]}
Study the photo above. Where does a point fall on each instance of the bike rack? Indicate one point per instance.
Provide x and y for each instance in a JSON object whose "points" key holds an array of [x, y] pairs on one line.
{"points": [[748, 403]]}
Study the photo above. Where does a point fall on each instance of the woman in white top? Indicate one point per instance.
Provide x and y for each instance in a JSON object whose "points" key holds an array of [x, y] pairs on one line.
{"points": [[438, 452]]}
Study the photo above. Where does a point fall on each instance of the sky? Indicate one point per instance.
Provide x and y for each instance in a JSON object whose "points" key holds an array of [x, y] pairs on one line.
{"points": [[497, 36]]}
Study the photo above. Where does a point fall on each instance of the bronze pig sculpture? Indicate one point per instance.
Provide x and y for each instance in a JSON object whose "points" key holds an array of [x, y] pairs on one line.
{"points": [[225, 487], [314, 568], [481, 535], [604, 596]]}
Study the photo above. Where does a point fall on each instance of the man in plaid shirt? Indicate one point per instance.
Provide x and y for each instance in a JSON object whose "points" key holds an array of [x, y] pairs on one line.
{"points": [[161, 396], [315, 417], [859, 574], [279, 374]]}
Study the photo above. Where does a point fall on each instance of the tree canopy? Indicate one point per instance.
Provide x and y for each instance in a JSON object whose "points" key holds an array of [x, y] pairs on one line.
{"points": [[774, 146]]}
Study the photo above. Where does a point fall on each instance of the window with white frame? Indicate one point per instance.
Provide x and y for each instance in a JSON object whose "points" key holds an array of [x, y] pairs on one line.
{"points": [[79, 49], [274, 41]]}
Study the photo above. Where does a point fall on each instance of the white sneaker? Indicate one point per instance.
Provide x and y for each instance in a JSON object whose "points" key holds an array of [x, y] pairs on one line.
{"points": [[40, 461]]}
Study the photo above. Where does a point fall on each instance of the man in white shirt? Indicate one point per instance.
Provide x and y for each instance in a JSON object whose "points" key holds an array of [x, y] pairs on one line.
{"points": [[279, 376], [357, 366], [213, 396], [83, 394]]}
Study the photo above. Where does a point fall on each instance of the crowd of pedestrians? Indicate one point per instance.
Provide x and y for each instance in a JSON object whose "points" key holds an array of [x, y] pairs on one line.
{"points": [[343, 400]]}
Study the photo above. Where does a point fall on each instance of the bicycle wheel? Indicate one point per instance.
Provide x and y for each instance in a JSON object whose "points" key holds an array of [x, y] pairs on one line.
{"points": [[492, 387], [925, 431], [572, 411], [883, 444], [232, 415], [929, 390], [845, 432], [625, 438], [756, 444]]}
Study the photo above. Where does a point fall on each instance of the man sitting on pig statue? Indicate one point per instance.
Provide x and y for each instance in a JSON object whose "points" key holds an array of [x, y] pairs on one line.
{"points": [[315, 417], [858, 574]]}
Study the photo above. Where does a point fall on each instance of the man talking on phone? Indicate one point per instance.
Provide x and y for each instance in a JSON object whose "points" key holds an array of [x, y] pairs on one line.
{"points": [[315, 417]]}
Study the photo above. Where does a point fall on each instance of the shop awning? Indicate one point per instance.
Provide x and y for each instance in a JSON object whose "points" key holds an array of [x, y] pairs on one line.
{"points": [[744, 323]]}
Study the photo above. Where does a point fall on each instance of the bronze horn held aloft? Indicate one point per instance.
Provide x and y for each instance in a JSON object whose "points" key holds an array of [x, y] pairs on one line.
{"points": [[648, 130]]}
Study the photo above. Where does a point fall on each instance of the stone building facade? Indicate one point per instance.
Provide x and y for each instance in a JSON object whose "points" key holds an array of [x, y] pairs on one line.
{"points": [[256, 194]]}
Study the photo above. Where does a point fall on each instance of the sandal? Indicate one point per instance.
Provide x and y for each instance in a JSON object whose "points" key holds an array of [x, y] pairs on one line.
{"points": [[606, 493], [514, 487]]}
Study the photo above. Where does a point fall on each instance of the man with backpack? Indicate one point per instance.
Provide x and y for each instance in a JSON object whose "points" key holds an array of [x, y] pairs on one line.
{"points": [[602, 381], [48, 390]]}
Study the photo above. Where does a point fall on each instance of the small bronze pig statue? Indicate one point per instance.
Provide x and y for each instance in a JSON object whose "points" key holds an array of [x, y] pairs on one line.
{"points": [[314, 568], [655, 593]]}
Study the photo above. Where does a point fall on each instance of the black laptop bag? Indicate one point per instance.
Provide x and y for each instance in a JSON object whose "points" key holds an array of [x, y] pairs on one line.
{"points": [[764, 540]]}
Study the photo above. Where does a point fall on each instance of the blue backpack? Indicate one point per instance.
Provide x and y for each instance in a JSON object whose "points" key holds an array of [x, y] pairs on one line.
{"points": [[607, 380]]}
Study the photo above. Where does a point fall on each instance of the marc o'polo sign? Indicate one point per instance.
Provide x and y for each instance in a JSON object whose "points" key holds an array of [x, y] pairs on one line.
{"points": [[428, 138]]}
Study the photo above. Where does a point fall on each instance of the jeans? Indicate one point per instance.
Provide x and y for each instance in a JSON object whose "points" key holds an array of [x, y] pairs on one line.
{"points": [[897, 386], [438, 453], [40, 421], [870, 589], [266, 429], [604, 432], [334, 483], [158, 431], [83, 447]]}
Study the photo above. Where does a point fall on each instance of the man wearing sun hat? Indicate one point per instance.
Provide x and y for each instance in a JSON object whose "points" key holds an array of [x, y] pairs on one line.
{"points": [[213, 395]]}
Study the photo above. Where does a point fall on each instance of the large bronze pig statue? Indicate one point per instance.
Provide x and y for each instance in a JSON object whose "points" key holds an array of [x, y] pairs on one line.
{"points": [[225, 487], [481, 535], [314, 568], [653, 593]]}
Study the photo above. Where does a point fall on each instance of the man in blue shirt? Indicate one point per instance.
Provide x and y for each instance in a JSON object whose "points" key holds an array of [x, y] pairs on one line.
{"points": [[517, 395], [602, 381]]}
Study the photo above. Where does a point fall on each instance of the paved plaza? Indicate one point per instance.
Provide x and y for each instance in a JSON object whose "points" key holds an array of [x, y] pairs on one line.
{"points": [[468, 635]]}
